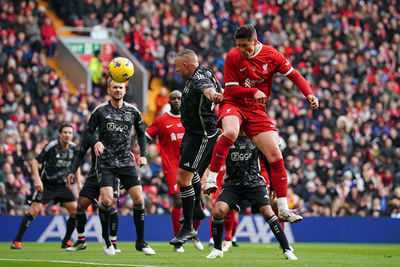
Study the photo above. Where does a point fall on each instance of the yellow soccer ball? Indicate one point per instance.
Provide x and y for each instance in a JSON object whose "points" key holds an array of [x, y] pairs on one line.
{"points": [[120, 69]]}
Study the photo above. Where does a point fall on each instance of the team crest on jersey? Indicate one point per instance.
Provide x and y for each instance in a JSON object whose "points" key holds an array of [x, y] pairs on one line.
{"points": [[253, 68], [251, 146], [127, 117], [265, 68]]}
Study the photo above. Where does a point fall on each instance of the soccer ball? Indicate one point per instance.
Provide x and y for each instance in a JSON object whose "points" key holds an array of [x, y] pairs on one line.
{"points": [[120, 69]]}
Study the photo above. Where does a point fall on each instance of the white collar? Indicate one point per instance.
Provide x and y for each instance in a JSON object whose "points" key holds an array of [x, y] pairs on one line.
{"points": [[257, 52], [173, 115]]}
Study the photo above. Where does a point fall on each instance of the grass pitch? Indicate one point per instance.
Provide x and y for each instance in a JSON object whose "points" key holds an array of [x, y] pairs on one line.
{"points": [[309, 254]]}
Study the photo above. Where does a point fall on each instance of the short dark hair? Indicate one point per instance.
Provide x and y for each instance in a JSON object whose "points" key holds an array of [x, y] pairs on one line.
{"points": [[64, 125], [246, 31], [185, 52]]}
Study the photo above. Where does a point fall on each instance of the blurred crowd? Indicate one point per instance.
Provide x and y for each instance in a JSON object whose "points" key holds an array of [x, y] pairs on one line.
{"points": [[342, 159]]}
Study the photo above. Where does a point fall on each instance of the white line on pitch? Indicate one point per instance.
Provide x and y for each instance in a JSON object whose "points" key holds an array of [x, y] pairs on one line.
{"points": [[82, 262]]}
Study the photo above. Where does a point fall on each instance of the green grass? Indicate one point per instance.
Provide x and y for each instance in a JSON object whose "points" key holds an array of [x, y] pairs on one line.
{"points": [[309, 254]]}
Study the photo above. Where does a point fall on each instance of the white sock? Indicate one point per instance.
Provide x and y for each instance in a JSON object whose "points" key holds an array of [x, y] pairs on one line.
{"points": [[282, 204], [212, 176]]}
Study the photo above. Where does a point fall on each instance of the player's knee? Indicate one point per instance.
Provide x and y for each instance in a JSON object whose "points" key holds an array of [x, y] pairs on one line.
{"points": [[107, 201], [220, 211], [231, 133], [267, 211]]}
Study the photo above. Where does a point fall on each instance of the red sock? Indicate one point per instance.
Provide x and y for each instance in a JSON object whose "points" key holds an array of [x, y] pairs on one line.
{"points": [[220, 152], [279, 178], [175, 216], [235, 225], [196, 224], [282, 222], [229, 220]]}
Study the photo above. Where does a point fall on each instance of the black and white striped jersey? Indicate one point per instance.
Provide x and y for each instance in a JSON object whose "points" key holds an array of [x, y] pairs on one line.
{"points": [[197, 112], [56, 161], [243, 164], [114, 128]]}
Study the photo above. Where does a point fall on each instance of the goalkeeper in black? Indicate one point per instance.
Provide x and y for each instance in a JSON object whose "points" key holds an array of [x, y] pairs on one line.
{"points": [[113, 121], [243, 181]]}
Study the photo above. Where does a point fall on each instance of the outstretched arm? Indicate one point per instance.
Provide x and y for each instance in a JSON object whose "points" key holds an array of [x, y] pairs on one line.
{"points": [[304, 88]]}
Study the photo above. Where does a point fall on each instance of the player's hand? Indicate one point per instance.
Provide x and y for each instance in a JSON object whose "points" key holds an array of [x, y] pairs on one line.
{"points": [[70, 179], [98, 148], [260, 97], [314, 102], [217, 97], [39, 185], [142, 161]]}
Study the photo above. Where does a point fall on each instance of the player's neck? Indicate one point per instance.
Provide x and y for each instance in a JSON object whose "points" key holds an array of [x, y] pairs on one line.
{"points": [[64, 145], [117, 104]]}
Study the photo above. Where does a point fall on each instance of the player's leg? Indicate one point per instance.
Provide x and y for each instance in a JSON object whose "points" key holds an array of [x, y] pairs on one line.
{"points": [[235, 225], [198, 214], [268, 143], [114, 218], [83, 204], [187, 232], [34, 211], [106, 194], [219, 212], [136, 194], [278, 231], [229, 220], [176, 212], [231, 127], [106, 180], [71, 223]]}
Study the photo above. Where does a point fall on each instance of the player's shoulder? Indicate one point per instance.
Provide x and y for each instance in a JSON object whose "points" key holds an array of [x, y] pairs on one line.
{"points": [[72, 145], [129, 106], [202, 73], [100, 107], [269, 50], [51, 145]]}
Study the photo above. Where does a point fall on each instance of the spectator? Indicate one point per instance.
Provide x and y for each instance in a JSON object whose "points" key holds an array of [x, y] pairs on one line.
{"points": [[96, 67], [49, 36]]}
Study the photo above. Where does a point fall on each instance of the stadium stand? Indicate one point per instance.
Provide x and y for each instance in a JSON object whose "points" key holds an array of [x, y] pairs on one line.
{"points": [[342, 160]]}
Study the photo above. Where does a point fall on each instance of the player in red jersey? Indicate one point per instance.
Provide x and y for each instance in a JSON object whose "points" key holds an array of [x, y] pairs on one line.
{"points": [[249, 69], [168, 127]]}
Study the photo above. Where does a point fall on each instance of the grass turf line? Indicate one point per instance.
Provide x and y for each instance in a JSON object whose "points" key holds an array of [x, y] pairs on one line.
{"points": [[309, 254]]}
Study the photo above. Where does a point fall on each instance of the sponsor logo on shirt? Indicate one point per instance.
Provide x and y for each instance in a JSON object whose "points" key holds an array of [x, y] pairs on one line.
{"points": [[265, 68], [242, 69]]}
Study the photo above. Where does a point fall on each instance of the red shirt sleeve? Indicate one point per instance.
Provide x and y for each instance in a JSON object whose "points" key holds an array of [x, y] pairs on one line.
{"points": [[153, 130], [285, 68]]}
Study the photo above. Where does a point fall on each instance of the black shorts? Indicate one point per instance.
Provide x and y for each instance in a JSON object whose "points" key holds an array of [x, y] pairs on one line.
{"points": [[196, 152], [56, 192], [233, 195], [127, 176], [91, 188]]}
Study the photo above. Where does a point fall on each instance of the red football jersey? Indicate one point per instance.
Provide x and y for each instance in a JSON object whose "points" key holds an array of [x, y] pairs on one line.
{"points": [[255, 72], [169, 129]]}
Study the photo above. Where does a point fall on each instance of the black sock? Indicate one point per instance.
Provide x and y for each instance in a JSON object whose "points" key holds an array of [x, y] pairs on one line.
{"points": [[217, 227], [277, 229], [196, 183], [71, 224], [104, 212], [26, 221], [187, 196], [138, 219], [114, 220], [81, 222]]}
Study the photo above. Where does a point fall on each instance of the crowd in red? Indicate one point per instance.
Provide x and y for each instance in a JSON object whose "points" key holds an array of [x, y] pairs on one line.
{"points": [[342, 159]]}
